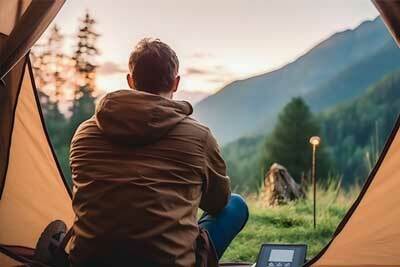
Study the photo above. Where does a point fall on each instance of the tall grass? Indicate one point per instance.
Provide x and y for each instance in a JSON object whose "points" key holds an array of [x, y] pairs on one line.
{"points": [[292, 223]]}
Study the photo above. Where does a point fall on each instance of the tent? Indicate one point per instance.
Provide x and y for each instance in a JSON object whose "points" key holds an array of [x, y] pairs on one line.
{"points": [[33, 191]]}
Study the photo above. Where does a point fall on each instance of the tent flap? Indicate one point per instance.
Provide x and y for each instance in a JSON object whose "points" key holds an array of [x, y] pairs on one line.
{"points": [[390, 13], [33, 176], [8, 101], [31, 24]]}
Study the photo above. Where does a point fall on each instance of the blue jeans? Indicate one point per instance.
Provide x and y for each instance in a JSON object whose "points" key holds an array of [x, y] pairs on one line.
{"points": [[223, 227]]}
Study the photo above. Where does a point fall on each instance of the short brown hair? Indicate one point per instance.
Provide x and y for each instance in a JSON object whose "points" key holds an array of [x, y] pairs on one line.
{"points": [[154, 66]]}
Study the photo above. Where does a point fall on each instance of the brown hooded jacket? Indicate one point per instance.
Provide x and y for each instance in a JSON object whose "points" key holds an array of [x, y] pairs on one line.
{"points": [[141, 168]]}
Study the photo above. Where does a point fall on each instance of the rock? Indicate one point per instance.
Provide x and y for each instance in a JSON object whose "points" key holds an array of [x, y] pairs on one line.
{"points": [[280, 187]]}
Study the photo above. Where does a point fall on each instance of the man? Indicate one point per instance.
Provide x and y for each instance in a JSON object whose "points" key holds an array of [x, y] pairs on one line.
{"points": [[141, 169]]}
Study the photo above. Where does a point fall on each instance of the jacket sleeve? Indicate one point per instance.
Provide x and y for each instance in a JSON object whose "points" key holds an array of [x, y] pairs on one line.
{"points": [[216, 188]]}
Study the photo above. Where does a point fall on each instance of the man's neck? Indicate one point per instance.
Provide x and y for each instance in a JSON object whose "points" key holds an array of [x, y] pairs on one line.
{"points": [[167, 95]]}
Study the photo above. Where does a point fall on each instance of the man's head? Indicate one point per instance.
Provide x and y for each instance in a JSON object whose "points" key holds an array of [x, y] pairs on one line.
{"points": [[153, 67]]}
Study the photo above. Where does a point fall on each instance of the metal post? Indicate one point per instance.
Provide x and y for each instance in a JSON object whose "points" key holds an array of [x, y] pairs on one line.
{"points": [[314, 181], [314, 141]]}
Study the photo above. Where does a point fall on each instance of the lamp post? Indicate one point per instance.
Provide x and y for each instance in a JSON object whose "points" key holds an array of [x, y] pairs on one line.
{"points": [[314, 141]]}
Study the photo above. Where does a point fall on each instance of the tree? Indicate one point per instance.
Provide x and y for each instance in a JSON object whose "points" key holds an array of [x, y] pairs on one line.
{"points": [[85, 55], [85, 68], [289, 144], [52, 66]]}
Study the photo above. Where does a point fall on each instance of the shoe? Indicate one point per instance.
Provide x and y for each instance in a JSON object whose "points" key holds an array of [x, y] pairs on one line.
{"points": [[49, 241]]}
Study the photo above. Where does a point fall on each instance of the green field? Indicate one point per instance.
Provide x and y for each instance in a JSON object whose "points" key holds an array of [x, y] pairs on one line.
{"points": [[291, 223]]}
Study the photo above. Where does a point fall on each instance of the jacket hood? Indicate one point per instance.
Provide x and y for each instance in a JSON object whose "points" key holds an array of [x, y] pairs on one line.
{"points": [[135, 117]]}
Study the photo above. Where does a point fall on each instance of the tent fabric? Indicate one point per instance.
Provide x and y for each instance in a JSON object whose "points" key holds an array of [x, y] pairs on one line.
{"points": [[22, 23], [8, 261], [390, 12], [10, 13], [8, 103], [34, 193], [17, 254], [31, 19]]}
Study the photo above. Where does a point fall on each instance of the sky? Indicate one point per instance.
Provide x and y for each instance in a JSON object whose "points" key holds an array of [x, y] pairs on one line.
{"points": [[217, 41]]}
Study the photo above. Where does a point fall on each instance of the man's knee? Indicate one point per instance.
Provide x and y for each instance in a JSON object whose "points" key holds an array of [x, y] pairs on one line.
{"points": [[238, 204]]}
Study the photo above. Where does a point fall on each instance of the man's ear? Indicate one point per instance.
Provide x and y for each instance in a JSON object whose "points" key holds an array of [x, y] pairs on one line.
{"points": [[130, 81], [176, 83]]}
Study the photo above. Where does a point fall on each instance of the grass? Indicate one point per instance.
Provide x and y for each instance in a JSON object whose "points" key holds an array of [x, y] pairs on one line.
{"points": [[291, 223]]}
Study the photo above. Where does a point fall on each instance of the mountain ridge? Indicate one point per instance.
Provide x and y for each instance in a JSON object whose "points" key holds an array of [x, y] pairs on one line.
{"points": [[244, 106]]}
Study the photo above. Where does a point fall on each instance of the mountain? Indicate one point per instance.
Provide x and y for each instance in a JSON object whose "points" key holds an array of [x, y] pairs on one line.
{"points": [[354, 134], [354, 80], [251, 105]]}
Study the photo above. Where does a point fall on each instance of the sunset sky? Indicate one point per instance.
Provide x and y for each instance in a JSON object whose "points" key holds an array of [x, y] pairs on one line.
{"points": [[217, 41]]}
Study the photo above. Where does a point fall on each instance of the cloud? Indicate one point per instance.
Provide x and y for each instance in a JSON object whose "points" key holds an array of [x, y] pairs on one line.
{"points": [[214, 74], [109, 68], [221, 79], [215, 70], [201, 55], [196, 71]]}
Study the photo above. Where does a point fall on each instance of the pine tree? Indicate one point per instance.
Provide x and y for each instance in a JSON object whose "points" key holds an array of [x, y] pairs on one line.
{"points": [[52, 66], [85, 55], [58, 63], [85, 68], [38, 67], [289, 145]]}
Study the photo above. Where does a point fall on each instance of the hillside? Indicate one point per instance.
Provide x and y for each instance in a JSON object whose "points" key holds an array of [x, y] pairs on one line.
{"points": [[354, 134], [245, 106], [356, 131]]}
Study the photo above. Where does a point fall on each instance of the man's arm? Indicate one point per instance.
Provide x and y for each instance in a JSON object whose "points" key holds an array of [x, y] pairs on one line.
{"points": [[216, 190]]}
